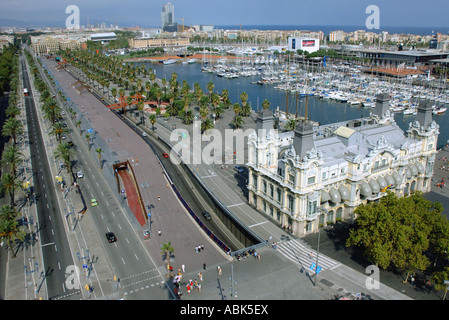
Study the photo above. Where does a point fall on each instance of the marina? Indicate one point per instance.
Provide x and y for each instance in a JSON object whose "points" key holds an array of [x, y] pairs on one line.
{"points": [[335, 93]]}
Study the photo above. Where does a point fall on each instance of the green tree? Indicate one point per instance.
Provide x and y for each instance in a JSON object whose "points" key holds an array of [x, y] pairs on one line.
{"points": [[99, 151], [398, 231], [65, 153], [167, 249], [9, 183], [12, 128], [265, 104], [290, 124], [12, 157], [153, 120]]}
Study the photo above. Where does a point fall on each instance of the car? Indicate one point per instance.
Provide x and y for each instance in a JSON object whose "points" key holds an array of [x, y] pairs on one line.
{"points": [[79, 174], [93, 202], [207, 215], [111, 237], [239, 169], [165, 154]]}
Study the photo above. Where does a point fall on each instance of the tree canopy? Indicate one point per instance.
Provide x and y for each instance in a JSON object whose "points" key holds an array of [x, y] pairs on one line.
{"points": [[401, 232]]}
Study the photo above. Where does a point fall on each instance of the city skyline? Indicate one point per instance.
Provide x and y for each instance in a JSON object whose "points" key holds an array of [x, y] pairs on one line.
{"points": [[397, 13]]}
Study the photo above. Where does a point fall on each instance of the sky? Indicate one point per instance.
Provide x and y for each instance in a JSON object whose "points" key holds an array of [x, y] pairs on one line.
{"points": [[147, 13]]}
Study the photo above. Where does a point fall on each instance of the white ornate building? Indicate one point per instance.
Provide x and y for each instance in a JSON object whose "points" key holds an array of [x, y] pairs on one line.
{"points": [[316, 175]]}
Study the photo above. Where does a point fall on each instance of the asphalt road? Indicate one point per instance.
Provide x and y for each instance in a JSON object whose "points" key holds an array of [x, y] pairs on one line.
{"points": [[54, 243]]}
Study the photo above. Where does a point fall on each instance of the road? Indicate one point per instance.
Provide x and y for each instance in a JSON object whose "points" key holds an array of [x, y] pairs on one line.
{"points": [[52, 234]]}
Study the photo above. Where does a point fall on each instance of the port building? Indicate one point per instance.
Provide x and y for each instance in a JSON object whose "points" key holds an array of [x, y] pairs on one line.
{"points": [[318, 174]]}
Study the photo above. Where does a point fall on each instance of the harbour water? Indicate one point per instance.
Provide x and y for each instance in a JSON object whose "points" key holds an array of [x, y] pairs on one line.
{"points": [[319, 110]]}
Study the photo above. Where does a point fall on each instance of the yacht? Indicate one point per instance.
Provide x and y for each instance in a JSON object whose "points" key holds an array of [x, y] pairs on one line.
{"points": [[169, 61]]}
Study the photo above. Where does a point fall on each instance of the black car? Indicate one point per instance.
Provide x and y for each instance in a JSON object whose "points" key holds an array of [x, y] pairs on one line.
{"points": [[207, 215], [111, 237]]}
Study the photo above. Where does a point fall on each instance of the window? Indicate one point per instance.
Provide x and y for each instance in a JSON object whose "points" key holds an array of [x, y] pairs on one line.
{"points": [[265, 187], [290, 203], [330, 216], [279, 194], [271, 191], [264, 206], [291, 178], [311, 207], [324, 175], [271, 211], [309, 226], [311, 180]]}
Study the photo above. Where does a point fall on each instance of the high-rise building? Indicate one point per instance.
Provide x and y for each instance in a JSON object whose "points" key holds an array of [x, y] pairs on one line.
{"points": [[168, 18]]}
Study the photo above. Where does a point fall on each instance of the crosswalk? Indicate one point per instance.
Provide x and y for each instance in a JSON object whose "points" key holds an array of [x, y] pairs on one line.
{"points": [[305, 257]]}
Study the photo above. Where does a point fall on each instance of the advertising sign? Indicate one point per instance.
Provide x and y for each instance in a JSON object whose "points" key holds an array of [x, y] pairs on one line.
{"points": [[308, 43]]}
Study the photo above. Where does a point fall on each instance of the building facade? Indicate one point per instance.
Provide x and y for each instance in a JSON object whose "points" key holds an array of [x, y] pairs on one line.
{"points": [[158, 42], [306, 44], [168, 18], [317, 175]]}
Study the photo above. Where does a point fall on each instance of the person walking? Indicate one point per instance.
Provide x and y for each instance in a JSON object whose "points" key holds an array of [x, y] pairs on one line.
{"points": [[200, 276], [219, 270]]}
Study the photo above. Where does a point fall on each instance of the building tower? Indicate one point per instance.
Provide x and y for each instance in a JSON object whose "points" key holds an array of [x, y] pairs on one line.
{"points": [[168, 18]]}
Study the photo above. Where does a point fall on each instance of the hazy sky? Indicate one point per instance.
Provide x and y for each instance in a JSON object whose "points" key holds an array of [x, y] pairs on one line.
{"points": [[430, 13]]}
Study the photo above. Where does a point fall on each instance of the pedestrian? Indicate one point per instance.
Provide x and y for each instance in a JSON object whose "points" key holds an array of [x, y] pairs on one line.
{"points": [[200, 275], [183, 268], [199, 287], [204, 265], [188, 288], [219, 270], [158, 197], [159, 233], [202, 247], [196, 249]]}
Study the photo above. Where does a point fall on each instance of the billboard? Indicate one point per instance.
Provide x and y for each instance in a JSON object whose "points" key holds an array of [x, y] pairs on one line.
{"points": [[308, 43]]}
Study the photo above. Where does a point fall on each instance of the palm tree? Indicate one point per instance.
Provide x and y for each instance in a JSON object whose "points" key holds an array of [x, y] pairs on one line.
{"points": [[206, 125], [11, 232], [237, 122], [87, 139], [167, 249], [265, 104], [188, 117], [210, 87], [78, 124], [140, 106], [236, 108], [12, 128], [13, 157], [99, 151], [9, 183], [290, 125], [65, 153], [8, 213], [58, 130], [153, 120]]}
